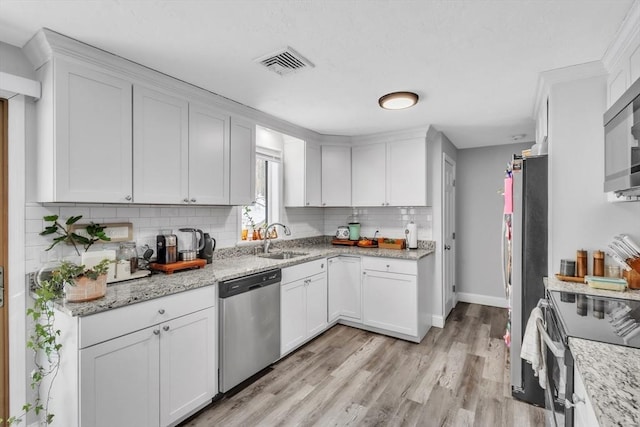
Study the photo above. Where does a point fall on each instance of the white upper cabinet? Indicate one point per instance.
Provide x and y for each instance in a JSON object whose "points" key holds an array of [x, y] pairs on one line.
{"points": [[407, 173], [302, 181], [368, 175], [161, 147], [84, 135], [208, 156], [390, 174], [242, 185], [336, 175]]}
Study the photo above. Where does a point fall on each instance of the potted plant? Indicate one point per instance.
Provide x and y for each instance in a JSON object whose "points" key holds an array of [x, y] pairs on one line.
{"points": [[80, 283], [249, 222], [43, 338]]}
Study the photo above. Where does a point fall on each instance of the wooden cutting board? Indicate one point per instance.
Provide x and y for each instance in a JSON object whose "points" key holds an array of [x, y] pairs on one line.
{"points": [[177, 266], [344, 242], [570, 278]]}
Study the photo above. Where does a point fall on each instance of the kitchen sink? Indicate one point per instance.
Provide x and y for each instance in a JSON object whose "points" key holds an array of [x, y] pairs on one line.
{"points": [[283, 255]]}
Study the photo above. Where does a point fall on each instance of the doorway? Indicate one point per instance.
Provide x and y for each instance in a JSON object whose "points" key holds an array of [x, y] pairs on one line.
{"points": [[448, 232], [4, 310]]}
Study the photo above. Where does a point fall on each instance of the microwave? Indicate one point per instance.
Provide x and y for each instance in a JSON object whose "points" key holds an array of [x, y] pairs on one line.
{"points": [[621, 144]]}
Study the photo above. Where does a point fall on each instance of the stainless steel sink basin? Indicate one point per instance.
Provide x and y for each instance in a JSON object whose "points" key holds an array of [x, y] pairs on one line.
{"points": [[282, 255]]}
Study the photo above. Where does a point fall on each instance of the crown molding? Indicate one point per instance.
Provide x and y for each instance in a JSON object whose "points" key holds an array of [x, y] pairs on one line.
{"points": [[547, 79], [628, 34]]}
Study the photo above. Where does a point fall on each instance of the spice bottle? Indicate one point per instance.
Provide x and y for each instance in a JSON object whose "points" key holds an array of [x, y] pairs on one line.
{"points": [[598, 263], [581, 263]]}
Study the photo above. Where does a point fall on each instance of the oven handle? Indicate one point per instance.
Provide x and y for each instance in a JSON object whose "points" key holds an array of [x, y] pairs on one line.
{"points": [[556, 348]]}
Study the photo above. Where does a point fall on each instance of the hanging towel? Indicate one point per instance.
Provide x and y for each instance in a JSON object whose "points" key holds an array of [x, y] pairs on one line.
{"points": [[533, 348]]}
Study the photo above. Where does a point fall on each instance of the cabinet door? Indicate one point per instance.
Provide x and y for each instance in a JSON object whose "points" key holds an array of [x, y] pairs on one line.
{"points": [[345, 288], [336, 175], [390, 301], [188, 364], [119, 383], [313, 179], [583, 413], [242, 184], [407, 173], [293, 315], [368, 175], [302, 180], [160, 147], [92, 136], [208, 156], [316, 304]]}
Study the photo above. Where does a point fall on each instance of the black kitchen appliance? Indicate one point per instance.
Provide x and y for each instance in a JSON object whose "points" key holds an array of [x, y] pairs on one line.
{"points": [[166, 248], [206, 252], [524, 262]]}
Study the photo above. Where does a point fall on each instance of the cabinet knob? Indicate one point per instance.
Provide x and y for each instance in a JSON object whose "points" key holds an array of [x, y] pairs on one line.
{"points": [[186, 200], [364, 273], [576, 399], [307, 203], [447, 247], [388, 265], [161, 311], [387, 203], [128, 198], [165, 328], [322, 265], [156, 332], [324, 204], [382, 203], [193, 200]]}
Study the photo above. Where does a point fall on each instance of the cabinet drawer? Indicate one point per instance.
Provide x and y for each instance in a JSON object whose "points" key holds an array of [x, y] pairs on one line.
{"points": [[300, 271], [390, 265], [114, 323]]}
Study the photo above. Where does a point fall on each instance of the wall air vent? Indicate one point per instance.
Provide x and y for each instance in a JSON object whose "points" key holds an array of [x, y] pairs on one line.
{"points": [[284, 61]]}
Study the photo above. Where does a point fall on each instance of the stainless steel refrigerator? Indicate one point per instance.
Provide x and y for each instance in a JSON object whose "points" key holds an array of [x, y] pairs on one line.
{"points": [[524, 262]]}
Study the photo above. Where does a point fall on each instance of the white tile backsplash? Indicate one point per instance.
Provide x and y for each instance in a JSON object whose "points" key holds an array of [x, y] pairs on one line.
{"points": [[221, 222]]}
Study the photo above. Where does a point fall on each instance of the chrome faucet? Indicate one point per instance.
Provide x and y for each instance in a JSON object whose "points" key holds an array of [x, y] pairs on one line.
{"points": [[267, 239]]}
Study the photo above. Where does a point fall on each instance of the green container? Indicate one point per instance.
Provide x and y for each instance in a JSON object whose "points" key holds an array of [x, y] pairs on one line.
{"points": [[354, 231]]}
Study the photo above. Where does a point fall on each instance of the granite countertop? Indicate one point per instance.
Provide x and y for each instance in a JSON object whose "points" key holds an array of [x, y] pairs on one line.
{"points": [[554, 284], [611, 375], [225, 268]]}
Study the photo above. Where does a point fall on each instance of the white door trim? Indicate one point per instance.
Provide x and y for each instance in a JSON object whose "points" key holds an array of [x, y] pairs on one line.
{"points": [[447, 159]]}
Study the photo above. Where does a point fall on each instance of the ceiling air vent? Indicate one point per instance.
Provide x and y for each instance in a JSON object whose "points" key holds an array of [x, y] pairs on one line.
{"points": [[285, 61]]}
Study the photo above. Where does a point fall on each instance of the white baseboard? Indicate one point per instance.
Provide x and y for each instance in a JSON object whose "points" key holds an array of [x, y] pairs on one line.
{"points": [[437, 321], [482, 299]]}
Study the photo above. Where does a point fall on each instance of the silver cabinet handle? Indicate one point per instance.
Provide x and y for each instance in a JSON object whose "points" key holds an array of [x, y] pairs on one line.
{"points": [[193, 200], [156, 332], [322, 265], [165, 328], [186, 200], [161, 311], [128, 198], [447, 247]]}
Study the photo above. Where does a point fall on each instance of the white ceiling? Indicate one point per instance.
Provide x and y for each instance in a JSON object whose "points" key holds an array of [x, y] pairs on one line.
{"points": [[474, 63]]}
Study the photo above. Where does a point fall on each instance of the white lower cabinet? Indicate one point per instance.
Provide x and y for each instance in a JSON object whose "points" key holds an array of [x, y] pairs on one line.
{"points": [[390, 301], [303, 304], [345, 296], [583, 413], [149, 364]]}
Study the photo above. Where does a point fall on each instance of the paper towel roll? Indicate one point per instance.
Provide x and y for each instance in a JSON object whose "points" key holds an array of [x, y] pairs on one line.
{"points": [[412, 242]]}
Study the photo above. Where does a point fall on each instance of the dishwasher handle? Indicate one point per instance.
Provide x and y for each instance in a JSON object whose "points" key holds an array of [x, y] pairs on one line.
{"points": [[249, 283]]}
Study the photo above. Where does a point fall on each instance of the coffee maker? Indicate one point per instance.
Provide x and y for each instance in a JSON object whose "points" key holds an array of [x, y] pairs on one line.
{"points": [[167, 247]]}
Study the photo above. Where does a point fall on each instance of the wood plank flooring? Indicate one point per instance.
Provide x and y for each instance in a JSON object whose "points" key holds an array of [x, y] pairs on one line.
{"points": [[457, 376]]}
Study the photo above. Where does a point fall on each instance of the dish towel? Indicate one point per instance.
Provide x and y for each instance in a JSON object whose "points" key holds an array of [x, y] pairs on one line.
{"points": [[533, 348]]}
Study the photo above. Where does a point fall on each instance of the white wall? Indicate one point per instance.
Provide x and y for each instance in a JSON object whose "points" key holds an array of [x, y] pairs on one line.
{"points": [[479, 183], [579, 215]]}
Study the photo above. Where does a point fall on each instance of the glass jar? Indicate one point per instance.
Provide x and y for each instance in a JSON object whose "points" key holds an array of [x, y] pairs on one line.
{"points": [[127, 258]]}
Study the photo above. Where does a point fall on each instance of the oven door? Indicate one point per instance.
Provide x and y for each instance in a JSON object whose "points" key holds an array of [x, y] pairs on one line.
{"points": [[559, 374]]}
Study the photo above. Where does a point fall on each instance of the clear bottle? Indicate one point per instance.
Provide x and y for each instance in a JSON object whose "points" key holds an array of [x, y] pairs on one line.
{"points": [[127, 258]]}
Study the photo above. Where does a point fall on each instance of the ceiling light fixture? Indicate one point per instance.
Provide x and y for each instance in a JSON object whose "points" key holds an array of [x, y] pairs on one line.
{"points": [[398, 100]]}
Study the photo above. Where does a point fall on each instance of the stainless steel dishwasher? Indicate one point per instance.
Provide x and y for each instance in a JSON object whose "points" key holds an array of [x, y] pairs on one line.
{"points": [[249, 326]]}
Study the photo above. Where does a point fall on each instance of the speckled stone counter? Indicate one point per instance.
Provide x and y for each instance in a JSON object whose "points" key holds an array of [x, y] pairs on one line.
{"points": [[231, 267], [553, 284], [611, 377]]}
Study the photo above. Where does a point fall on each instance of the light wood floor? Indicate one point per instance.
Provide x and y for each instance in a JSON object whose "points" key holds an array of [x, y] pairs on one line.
{"points": [[457, 376]]}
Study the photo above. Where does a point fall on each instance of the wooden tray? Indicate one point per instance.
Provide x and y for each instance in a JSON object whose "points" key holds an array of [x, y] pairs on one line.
{"points": [[570, 278], [177, 266], [344, 242], [399, 244]]}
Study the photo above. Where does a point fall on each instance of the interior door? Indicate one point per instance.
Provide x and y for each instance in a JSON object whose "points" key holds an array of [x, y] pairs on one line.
{"points": [[448, 231], [4, 333]]}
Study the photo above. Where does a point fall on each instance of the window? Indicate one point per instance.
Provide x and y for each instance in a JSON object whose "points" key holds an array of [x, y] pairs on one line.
{"points": [[266, 208]]}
